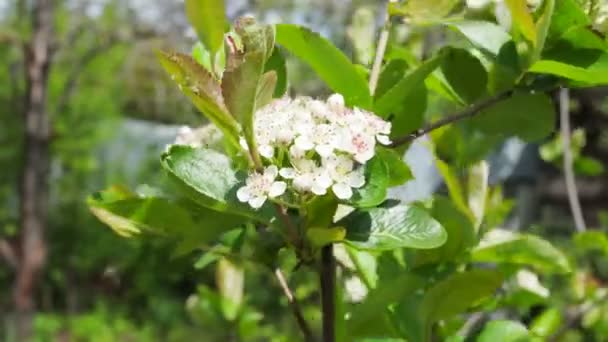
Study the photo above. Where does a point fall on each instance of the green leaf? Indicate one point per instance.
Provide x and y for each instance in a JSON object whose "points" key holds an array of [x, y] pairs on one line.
{"points": [[332, 66], [202, 56], [408, 115], [393, 226], [465, 74], [276, 63], [320, 211], [208, 178], [398, 171], [460, 233], [477, 191], [502, 246], [547, 323], [208, 19], [268, 83], [454, 185], [320, 237], [529, 116], [369, 319], [484, 35], [203, 90], [502, 330], [567, 15], [230, 281], [129, 215], [542, 27], [391, 101], [588, 166], [522, 19], [506, 69], [590, 240], [423, 11], [376, 185], [459, 292], [589, 76], [241, 79]]}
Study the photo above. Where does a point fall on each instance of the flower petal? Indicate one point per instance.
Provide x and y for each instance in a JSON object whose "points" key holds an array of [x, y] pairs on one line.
{"points": [[287, 172], [324, 150], [271, 172], [342, 191], [304, 143], [383, 139], [277, 189], [266, 151], [243, 194], [356, 179], [257, 202], [318, 190]]}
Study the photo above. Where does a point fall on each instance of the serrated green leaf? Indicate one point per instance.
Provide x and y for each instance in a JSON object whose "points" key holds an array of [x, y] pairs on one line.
{"points": [[528, 116], [484, 35], [465, 74], [459, 292], [393, 226], [502, 246], [332, 66], [208, 178], [203, 90], [131, 215], [241, 80], [501, 330], [208, 19]]}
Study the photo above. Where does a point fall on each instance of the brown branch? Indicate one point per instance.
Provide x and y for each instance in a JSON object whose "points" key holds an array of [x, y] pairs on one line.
{"points": [[464, 114], [328, 293], [295, 307]]}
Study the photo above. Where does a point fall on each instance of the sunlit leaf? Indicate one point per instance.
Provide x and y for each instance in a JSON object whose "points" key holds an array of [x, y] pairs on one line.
{"points": [[484, 35], [502, 246], [393, 226], [203, 90], [507, 331], [332, 66], [459, 292], [208, 19], [522, 19], [208, 178]]}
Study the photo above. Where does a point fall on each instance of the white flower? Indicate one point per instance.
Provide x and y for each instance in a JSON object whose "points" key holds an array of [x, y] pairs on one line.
{"points": [[344, 177], [308, 177], [260, 186]]}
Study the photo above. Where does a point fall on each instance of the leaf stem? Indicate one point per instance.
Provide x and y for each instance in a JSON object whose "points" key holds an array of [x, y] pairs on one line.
{"points": [[295, 307], [328, 293], [463, 114], [575, 204]]}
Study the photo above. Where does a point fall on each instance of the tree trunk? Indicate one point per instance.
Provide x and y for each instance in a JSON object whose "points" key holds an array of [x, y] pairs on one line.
{"points": [[35, 171]]}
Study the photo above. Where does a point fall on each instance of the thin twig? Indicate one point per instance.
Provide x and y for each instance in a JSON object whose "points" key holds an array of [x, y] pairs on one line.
{"points": [[575, 205], [295, 307], [380, 50], [328, 293], [464, 114]]}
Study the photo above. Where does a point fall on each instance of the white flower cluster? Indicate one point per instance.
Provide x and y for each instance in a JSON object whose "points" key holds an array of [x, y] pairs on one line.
{"points": [[314, 145]]}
